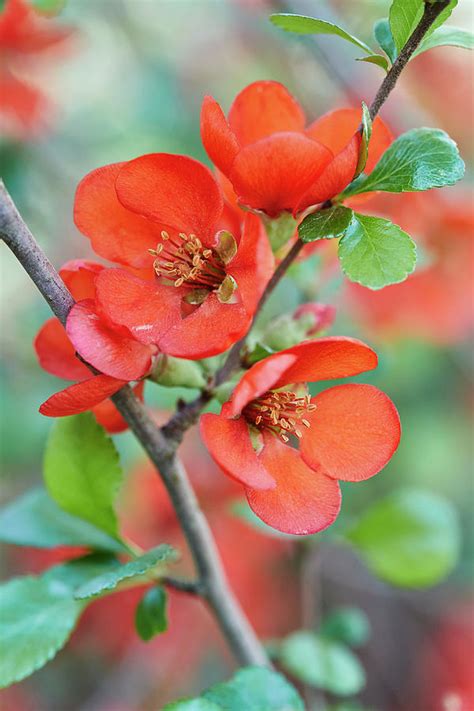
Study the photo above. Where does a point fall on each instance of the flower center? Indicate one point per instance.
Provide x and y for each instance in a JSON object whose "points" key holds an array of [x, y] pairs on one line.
{"points": [[184, 260], [281, 413]]}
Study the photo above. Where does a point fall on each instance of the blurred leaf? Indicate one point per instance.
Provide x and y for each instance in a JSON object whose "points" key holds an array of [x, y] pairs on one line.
{"points": [[103, 584], [36, 520], [280, 230], [303, 25], [349, 625], [366, 134], [49, 7], [250, 689], [322, 663], [325, 224], [420, 159], [405, 16], [374, 252], [377, 59], [411, 538], [151, 614], [82, 470], [384, 37], [38, 614], [259, 352], [447, 36]]}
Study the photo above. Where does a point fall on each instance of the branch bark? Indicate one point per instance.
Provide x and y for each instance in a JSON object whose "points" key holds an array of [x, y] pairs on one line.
{"points": [[213, 585]]}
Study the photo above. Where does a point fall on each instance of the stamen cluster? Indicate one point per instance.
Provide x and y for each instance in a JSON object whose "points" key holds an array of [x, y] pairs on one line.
{"points": [[280, 412], [184, 260]]}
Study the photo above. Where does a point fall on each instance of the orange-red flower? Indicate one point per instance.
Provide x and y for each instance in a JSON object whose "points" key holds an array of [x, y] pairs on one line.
{"points": [[106, 348], [25, 36], [273, 160], [348, 433], [198, 284]]}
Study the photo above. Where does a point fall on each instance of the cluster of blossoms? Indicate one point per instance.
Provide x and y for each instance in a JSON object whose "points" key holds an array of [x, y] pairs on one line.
{"points": [[193, 260]]}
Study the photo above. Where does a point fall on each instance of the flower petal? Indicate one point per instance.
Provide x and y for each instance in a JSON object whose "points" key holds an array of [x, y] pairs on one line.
{"points": [[109, 417], [263, 108], [176, 191], [115, 233], [218, 139], [56, 354], [229, 444], [354, 432], [79, 276], [81, 396], [211, 329], [336, 128], [147, 309], [326, 359], [253, 264], [112, 351], [273, 173], [258, 379], [303, 502]]}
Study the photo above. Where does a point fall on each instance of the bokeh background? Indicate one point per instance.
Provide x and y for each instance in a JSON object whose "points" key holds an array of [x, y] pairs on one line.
{"points": [[130, 80]]}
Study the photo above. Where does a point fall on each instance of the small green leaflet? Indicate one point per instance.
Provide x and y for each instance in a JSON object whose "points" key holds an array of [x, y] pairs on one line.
{"points": [[322, 663], [406, 14], [377, 59], [366, 134], [325, 224], [420, 159], [250, 689], [303, 25], [36, 520], [151, 613], [107, 582], [375, 253], [411, 538], [384, 37], [447, 36], [349, 625], [82, 470]]}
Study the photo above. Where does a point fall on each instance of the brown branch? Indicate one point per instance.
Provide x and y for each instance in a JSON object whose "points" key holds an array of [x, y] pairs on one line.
{"points": [[213, 584]]}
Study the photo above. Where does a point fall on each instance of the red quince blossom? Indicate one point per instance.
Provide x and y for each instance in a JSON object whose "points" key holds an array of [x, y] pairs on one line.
{"points": [[347, 433], [57, 354], [197, 285], [25, 37], [273, 160]]}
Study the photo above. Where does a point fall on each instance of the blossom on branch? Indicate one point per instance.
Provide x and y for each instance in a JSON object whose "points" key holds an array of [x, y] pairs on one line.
{"points": [[347, 433], [274, 162], [196, 285]]}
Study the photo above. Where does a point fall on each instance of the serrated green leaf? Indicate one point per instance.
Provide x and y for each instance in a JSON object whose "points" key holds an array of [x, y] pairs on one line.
{"points": [[406, 14], [375, 253], [377, 59], [38, 614], [384, 37], [303, 25], [82, 470], [447, 36], [410, 538], [325, 224], [151, 613], [36, 520], [366, 134], [322, 663], [418, 160], [349, 625], [107, 582]]}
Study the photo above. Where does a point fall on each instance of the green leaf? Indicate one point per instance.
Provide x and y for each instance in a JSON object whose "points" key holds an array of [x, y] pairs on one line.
{"points": [[322, 663], [420, 159], [384, 37], [325, 224], [82, 470], [374, 252], [405, 16], [349, 625], [410, 538], [38, 614], [303, 25], [151, 614], [250, 689], [377, 59], [280, 230], [49, 7], [107, 582], [366, 134], [447, 36], [36, 520]]}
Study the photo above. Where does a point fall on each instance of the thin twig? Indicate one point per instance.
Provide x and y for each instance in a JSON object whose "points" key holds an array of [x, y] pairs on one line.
{"points": [[161, 450], [193, 587]]}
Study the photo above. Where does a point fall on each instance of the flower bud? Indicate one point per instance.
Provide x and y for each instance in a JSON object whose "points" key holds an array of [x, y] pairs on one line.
{"points": [[306, 322], [177, 372]]}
